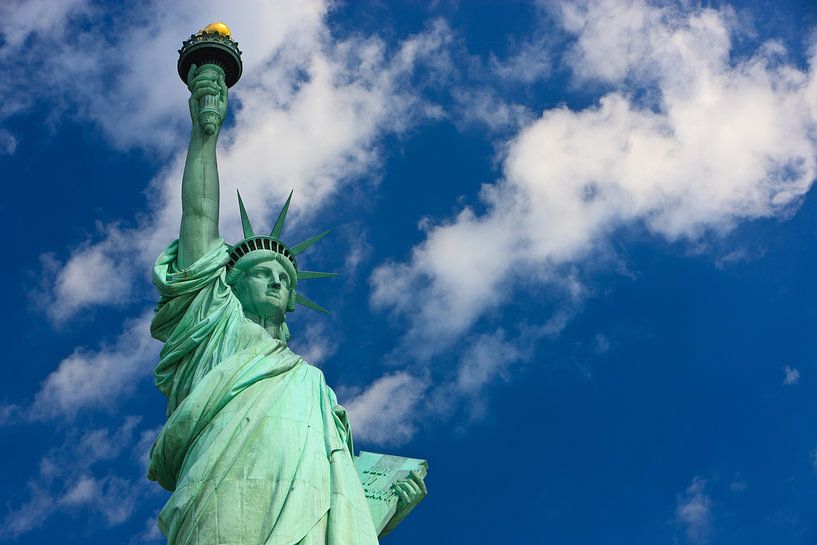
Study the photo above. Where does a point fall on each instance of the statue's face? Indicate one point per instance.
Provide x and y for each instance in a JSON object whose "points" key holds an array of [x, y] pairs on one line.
{"points": [[264, 291]]}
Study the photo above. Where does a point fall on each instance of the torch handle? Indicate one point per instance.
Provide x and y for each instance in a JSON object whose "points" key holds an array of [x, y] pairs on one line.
{"points": [[209, 116]]}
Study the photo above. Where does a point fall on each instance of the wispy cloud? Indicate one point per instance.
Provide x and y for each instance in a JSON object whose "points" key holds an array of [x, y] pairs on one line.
{"points": [[386, 412], [389, 409], [94, 274], [98, 378], [791, 376], [150, 534], [92, 379], [23, 18], [69, 479], [741, 255], [29, 26], [718, 140], [694, 512], [315, 344], [486, 359], [738, 484]]}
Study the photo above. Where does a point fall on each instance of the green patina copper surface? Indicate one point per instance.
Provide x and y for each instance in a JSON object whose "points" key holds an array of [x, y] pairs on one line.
{"points": [[256, 448]]}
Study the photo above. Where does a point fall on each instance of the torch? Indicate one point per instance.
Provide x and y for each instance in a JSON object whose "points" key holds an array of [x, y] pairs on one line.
{"points": [[214, 52]]}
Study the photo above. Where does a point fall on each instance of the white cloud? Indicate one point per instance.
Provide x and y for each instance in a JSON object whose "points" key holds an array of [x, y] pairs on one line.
{"points": [[357, 250], [83, 491], [93, 275], [529, 63], [601, 343], [29, 515], [67, 482], [694, 512], [738, 484], [92, 379], [22, 18], [486, 106], [718, 140], [315, 344], [740, 255], [98, 378], [150, 533], [486, 359], [792, 376], [8, 143], [387, 411], [31, 29]]}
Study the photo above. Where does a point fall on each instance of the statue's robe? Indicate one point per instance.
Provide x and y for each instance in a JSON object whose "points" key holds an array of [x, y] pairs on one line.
{"points": [[256, 449]]}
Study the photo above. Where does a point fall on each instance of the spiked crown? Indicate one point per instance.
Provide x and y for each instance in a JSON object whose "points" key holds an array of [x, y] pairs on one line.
{"points": [[254, 249]]}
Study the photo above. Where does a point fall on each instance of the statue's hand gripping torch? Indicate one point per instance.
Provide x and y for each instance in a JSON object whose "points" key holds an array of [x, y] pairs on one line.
{"points": [[218, 59], [208, 96]]}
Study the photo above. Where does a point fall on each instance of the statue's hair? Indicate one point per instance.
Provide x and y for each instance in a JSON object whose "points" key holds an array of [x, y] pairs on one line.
{"points": [[250, 260]]}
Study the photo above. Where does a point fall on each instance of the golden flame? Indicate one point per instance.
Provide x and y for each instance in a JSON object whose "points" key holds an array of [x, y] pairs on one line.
{"points": [[221, 28]]}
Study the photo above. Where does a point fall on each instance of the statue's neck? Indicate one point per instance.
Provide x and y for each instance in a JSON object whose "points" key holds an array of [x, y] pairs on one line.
{"points": [[273, 327]]}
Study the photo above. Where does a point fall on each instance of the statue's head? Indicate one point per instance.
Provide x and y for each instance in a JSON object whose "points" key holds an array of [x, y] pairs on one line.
{"points": [[263, 273], [266, 290]]}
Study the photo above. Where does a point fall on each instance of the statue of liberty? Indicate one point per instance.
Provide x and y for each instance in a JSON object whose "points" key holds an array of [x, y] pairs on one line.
{"points": [[256, 449]]}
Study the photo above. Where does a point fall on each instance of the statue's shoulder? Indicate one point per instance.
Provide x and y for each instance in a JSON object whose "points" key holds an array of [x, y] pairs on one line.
{"points": [[310, 368], [306, 363]]}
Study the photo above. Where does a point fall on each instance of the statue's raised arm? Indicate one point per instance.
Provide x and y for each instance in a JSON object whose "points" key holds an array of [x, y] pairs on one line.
{"points": [[200, 190]]}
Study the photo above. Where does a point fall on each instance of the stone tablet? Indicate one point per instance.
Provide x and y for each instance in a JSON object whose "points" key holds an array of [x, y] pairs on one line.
{"points": [[378, 473]]}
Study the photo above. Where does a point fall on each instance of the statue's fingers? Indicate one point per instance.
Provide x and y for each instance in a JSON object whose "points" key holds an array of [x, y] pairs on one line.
{"points": [[206, 83], [406, 497], [190, 75], [415, 477], [411, 493], [401, 494], [198, 93], [206, 90], [202, 79], [416, 493]]}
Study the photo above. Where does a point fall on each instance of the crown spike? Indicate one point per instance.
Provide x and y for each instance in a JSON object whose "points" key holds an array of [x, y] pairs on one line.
{"points": [[299, 248], [302, 300], [279, 223], [309, 275], [245, 220]]}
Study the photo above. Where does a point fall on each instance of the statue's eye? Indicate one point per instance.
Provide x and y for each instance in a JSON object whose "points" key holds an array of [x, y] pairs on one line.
{"points": [[284, 278]]}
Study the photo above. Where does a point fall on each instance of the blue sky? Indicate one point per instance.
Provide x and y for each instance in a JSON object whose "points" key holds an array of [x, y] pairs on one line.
{"points": [[576, 242]]}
